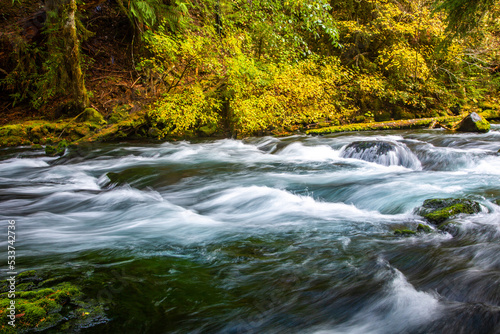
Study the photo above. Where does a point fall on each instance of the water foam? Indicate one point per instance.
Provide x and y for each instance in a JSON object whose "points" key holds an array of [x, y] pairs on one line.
{"points": [[401, 309]]}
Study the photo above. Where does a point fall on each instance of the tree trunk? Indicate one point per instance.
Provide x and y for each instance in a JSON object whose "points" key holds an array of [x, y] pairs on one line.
{"points": [[64, 49]]}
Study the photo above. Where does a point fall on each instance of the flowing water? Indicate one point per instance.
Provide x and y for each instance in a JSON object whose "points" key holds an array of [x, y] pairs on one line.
{"points": [[266, 235]]}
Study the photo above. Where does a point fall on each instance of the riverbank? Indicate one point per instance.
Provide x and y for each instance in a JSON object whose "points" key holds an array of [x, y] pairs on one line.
{"points": [[136, 127]]}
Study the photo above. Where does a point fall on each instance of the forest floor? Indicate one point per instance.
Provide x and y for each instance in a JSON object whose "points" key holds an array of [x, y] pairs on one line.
{"points": [[108, 60]]}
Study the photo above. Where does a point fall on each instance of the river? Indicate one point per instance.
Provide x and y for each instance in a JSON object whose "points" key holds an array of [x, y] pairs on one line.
{"points": [[266, 235]]}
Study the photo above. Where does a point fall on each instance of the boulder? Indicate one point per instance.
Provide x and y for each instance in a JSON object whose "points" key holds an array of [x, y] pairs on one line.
{"points": [[474, 123], [439, 210], [382, 152], [92, 115]]}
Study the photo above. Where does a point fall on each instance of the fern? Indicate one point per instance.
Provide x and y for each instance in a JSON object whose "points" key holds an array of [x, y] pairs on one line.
{"points": [[144, 11]]}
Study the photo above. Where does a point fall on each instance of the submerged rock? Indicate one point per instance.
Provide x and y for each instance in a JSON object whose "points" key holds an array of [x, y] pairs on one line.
{"points": [[438, 210], [450, 226], [474, 123], [382, 152]]}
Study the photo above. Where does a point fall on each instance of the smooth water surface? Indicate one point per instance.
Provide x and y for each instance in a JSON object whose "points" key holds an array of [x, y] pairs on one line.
{"points": [[266, 235]]}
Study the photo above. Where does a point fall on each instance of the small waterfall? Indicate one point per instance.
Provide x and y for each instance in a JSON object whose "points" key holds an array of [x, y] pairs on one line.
{"points": [[383, 153]]}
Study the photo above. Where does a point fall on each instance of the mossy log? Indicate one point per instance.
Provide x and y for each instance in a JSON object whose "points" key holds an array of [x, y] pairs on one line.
{"points": [[393, 125]]}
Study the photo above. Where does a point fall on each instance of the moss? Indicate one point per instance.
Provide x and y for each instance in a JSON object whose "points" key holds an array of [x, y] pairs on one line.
{"points": [[491, 114], [439, 210], [483, 125], [119, 114], [14, 141], [35, 294], [32, 314], [424, 228], [473, 122], [93, 116], [38, 309], [404, 232], [394, 125], [52, 151]]}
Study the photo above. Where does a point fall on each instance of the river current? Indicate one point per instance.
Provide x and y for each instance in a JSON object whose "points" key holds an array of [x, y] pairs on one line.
{"points": [[266, 235]]}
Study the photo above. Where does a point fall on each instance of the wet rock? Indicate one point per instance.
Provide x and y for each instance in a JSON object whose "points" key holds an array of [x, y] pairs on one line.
{"points": [[378, 147], [439, 210], [451, 227], [474, 123], [382, 152], [43, 304]]}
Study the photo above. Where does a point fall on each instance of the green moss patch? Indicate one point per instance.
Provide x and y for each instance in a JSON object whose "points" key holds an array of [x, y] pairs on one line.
{"points": [[393, 125], [44, 132], [405, 232], [424, 228], [437, 211], [41, 304]]}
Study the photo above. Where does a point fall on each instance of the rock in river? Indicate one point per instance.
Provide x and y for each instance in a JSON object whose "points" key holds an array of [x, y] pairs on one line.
{"points": [[474, 123], [438, 210], [383, 153]]}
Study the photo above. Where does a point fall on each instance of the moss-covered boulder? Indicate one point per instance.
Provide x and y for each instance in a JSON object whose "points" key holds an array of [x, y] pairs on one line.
{"points": [[439, 210], [93, 116], [42, 303], [474, 123]]}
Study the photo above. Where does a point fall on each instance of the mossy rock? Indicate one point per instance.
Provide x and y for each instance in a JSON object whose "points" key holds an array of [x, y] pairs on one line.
{"points": [[438, 210], [474, 123], [14, 141], [92, 115], [16, 130], [424, 228], [42, 304], [52, 151], [404, 232]]}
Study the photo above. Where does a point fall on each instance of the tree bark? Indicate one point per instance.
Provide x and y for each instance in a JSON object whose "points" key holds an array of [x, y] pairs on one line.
{"points": [[65, 46]]}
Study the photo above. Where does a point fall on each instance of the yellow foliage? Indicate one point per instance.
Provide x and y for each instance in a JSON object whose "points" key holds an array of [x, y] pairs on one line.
{"points": [[278, 97], [179, 114], [404, 62]]}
